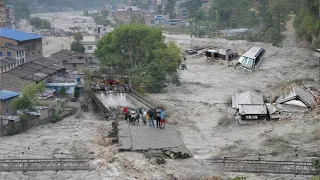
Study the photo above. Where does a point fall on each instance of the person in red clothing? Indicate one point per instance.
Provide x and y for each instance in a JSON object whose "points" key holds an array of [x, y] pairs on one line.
{"points": [[126, 113]]}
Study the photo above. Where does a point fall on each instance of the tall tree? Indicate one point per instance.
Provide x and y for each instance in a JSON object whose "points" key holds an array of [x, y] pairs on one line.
{"points": [[77, 47], [139, 51], [170, 9], [78, 36]]}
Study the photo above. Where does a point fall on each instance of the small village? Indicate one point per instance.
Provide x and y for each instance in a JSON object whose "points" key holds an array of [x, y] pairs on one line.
{"points": [[237, 109]]}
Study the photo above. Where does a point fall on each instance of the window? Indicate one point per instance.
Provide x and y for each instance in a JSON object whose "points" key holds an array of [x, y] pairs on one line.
{"points": [[89, 48], [17, 54], [8, 53], [104, 29], [33, 47], [74, 65], [0, 54]]}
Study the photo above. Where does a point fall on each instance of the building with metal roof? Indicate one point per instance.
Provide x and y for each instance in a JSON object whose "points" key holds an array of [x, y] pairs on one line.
{"points": [[31, 42], [6, 98], [250, 105], [17, 35]]}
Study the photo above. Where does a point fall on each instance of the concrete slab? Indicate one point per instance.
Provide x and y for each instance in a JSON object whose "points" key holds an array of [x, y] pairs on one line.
{"points": [[146, 138]]}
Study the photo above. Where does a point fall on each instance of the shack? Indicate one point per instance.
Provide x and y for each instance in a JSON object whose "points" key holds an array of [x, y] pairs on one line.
{"points": [[212, 53], [250, 105]]}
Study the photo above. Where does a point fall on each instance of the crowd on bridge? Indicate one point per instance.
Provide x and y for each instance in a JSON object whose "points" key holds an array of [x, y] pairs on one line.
{"points": [[133, 117]]}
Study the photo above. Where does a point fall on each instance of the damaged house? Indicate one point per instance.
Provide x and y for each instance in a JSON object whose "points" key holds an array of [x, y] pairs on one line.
{"points": [[250, 105], [295, 100]]}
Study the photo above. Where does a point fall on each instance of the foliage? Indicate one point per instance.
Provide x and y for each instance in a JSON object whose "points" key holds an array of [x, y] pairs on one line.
{"points": [[140, 51], [316, 165], [77, 47], [78, 36], [40, 23], [55, 118], [159, 9], [137, 18], [27, 100], [169, 9], [239, 178], [23, 104], [86, 13], [21, 8], [105, 13], [307, 23], [14, 128], [62, 91]]}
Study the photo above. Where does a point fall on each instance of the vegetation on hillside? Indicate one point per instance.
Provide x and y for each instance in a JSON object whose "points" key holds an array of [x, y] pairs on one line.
{"points": [[140, 52], [307, 22], [40, 23]]}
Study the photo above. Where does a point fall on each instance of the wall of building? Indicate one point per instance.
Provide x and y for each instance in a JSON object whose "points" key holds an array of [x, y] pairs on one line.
{"points": [[2, 14], [5, 108], [76, 67], [90, 48], [5, 41], [19, 56], [33, 49]]}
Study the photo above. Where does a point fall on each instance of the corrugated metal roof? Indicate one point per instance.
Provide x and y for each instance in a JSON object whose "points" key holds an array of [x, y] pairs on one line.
{"points": [[247, 98], [253, 52], [298, 93], [252, 109], [4, 94], [17, 35]]}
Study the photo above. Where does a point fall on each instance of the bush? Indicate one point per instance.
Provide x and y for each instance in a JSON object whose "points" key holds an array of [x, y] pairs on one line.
{"points": [[14, 128], [55, 118]]}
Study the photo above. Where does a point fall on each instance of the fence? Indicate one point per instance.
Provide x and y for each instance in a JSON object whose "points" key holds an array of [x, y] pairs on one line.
{"points": [[261, 166], [8, 165], [31, 121]]}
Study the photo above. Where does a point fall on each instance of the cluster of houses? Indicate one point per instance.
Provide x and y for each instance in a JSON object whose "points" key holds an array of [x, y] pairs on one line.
{"points": [[250, 105], [22, 64]]}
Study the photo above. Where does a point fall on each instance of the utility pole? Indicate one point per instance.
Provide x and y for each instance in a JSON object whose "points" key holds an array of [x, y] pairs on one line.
{"points": [[1, 126]]}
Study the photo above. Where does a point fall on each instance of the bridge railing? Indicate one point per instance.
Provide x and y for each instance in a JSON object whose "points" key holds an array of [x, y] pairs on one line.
{"points": [[262, 166], [7, 165]]}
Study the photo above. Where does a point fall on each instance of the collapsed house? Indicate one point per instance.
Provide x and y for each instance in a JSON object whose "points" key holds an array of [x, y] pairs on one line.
{"points": [[295, 100], [250, 105]]}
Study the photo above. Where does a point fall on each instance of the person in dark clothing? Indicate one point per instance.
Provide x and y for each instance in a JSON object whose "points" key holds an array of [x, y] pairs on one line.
{"points": [[158, 117]]}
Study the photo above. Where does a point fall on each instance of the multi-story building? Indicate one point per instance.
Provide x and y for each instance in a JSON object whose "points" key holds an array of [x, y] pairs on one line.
{"points": [[10, 17], [2, 14], [31, 42], [14, 52], [6, 98]]}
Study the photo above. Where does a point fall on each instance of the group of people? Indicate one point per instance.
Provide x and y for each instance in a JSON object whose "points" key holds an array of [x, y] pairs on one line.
{"points": [[133, 117]]}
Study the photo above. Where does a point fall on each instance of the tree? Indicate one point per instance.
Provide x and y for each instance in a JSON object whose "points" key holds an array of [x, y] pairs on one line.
{"points": [[169, 9], [159, 9], [141, 52], [105, 13], [40, 23], [137, 18], [62, 91], [28, 98], [78, 36], [86, 13], [77, 47]]}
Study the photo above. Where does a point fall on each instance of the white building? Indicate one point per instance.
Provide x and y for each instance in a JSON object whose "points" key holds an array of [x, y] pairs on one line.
{"points": [[90, 44]]}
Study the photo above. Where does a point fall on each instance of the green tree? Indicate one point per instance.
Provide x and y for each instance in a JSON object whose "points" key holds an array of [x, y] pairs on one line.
{"points": [[45, 24], [169, 9], [78, 36], [86, 13], [40, 23], [62, 91], [159, 9], [137, 18], [28, 98], [105, 13], [140, 52], [77, 47]]}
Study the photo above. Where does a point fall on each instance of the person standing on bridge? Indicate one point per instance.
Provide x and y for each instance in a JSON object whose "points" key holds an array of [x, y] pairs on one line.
{"points": [[163, 120], [126, 113], [158, 117], [151, 122]]}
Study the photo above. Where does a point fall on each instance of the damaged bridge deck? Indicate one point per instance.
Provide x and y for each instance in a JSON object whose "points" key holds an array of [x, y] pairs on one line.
{"points": [[142, 138]]}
